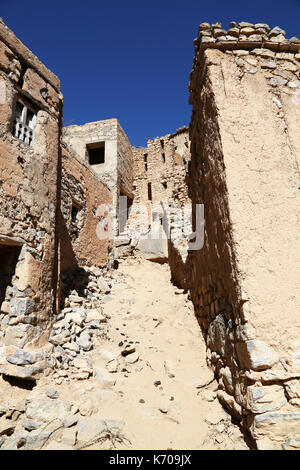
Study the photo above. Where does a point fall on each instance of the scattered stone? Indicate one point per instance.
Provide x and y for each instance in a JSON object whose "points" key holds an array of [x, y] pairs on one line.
{"points": [[256, 355], [68, 437], [103, 286], [277, 81], [71, 347], [81, 376], [70, 421], [109, 355], [215, 417], [60, 339], [46, 410], [85, 342], [52, 393], [128, 350], [82, 363], [30, 425], [132, 358], [21, 358], [169, 368], [112, 367], [95, 314], [230, 404], [121, 240], [76, 316], [106, 382], [36, 439], [87, 408], [163, 410], [208, 395], [7, 427], [90, 428]]}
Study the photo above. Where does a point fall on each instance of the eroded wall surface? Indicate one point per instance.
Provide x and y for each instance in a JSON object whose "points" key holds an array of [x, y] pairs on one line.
{"points": [[159, 174], [125, 163], [245, 170], [116, 170], [82, 195], [29, 155], [162, 165]]}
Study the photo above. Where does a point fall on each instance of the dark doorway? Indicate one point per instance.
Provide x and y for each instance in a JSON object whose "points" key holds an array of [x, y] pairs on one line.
{"points": [[8, 259], [124, 211], [149, 192]]}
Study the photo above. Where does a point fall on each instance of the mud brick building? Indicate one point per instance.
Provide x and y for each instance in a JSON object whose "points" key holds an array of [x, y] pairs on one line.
{"points": [[245, 149], [105, 148]]}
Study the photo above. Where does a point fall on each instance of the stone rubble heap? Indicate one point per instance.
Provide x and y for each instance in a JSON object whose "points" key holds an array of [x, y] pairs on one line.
{"points": [[72, 335], [33, 423], [80, 321]]}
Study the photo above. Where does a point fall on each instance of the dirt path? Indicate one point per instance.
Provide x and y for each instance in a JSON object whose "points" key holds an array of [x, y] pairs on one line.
{"points": [[157, 396]]}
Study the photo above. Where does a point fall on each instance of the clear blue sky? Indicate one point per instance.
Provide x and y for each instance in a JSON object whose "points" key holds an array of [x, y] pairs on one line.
{"points": [[130, 59]]}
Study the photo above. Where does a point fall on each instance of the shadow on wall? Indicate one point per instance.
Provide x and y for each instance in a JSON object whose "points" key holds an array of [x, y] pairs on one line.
{"points": [[71, 275]]}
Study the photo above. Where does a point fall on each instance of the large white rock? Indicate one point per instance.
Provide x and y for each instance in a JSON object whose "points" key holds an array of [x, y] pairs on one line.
{"points": [[264, 399], [256, 355]]}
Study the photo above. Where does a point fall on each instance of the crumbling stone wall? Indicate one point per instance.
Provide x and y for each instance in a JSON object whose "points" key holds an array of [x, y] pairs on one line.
{"points": [[116, 171], [77, 138], [162, 164], [245, 170], [83, 191], [159, 172], [125, 163], [28, 192]]}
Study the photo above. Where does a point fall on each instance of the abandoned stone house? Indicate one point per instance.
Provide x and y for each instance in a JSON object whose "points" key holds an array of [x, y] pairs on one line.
{"points": [[239, 157]]}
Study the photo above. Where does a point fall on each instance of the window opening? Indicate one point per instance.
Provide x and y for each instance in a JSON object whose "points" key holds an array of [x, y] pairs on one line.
{"points": [[96, 153], [24, 123]]}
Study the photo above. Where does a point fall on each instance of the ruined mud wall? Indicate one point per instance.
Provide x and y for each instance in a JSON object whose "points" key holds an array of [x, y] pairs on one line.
{"points": [[159, 173], [28, 192], [161, 164], [82, 194], [116, 170], [245, 150]]}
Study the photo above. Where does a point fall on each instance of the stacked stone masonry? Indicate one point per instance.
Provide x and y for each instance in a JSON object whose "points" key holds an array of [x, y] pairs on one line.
{"points": [[244, 134], [30, 122], [159, 179]]}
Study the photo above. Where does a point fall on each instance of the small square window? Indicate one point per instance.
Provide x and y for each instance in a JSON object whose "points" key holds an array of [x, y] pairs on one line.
{"points": [[96, 153]]}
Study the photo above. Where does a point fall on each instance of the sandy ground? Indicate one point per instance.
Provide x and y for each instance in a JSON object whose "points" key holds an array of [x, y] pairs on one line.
{"points": [[157, 396], [152, 315]]}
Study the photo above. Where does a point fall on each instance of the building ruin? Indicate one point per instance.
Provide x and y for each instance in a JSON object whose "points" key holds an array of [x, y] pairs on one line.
{"points": [[239, 157]]}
